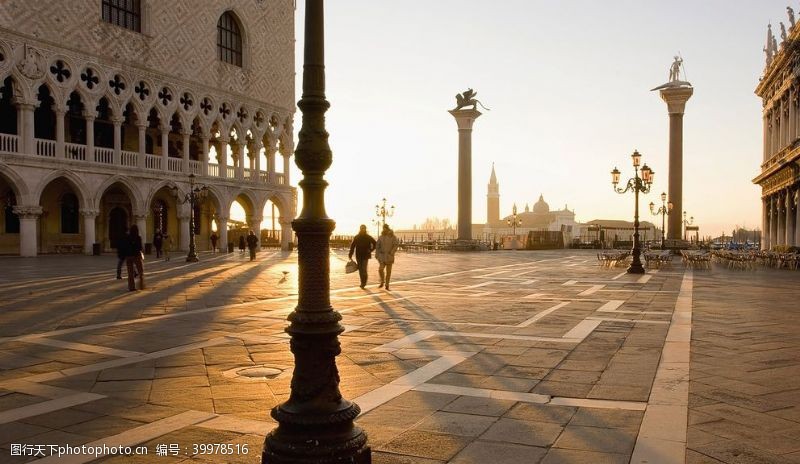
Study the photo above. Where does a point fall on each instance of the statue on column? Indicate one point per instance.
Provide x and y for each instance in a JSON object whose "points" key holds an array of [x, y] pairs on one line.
{"points": [[675, 69], [790, 12], [467, 98], [783, 32]]}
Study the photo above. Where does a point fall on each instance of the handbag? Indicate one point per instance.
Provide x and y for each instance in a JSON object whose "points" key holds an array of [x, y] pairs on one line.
{"points": [[350, 267]]}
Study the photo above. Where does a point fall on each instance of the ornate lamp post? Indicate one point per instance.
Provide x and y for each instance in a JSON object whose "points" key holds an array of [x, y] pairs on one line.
{"points": [[513, 222], [663, 210], [383, 212], [195, 194], [635, 184], [315, 425], [686, 222]]}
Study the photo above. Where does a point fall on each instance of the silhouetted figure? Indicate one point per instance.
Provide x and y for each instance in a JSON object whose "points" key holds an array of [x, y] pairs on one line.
{"points": [[134, 258], [252, 244], [167, 246], [385, 249], [241, 244], [158, 243], [214, 240], [362, 245]]}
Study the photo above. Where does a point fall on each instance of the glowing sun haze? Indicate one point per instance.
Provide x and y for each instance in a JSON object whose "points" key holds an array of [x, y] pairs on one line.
{"points": [[568, 84]]}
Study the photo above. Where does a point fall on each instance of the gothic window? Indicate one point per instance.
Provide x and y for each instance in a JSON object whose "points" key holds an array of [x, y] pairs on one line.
{"points": [[11, 219], [124, 13], [69, 214], [229, 39]]}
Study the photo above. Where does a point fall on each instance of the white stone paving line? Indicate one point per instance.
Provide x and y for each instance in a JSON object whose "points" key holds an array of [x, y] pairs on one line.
{"points": [[644, 279], [542, 314], [136, 436], [619, 275], [397, 387], [44, 407], [482, 284], [531, 397], [591, 290], [82, 347], [612, 305], [46, 377], [662, 434]]}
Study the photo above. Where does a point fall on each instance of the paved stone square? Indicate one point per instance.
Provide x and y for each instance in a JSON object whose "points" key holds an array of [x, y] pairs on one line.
{"points": [[501, 357]]}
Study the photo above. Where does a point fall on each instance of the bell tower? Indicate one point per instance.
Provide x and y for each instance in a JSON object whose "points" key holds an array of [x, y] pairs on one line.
{"points": [[493, 200]]}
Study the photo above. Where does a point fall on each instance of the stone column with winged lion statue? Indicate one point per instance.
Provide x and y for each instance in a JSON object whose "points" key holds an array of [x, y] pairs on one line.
{"points": [[465, 117]]}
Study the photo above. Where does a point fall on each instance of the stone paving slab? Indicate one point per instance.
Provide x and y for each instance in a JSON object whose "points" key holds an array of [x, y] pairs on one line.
{"points": [[474, 357]]}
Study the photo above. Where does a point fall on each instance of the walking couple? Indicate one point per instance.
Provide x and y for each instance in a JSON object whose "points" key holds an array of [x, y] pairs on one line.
{"points": [[385, 247]]}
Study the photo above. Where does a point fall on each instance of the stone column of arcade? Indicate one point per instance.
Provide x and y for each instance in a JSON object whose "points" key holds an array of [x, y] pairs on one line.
{"points": [[465, 119], [89, 220], [315, 425], [28, 220], [675, 93]]}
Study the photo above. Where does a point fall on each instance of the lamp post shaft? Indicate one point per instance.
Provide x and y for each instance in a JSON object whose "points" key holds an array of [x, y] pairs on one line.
{"points": [[315, 425], [636, 264]]}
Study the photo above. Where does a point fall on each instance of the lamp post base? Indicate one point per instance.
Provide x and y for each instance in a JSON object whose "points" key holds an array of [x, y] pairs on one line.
{"points": [[192, 259], [635, 267]]}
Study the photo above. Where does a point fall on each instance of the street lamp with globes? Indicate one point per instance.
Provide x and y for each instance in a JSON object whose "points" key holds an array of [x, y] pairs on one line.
{"points": [[663, 210], [195, 194], [383, 212], [636, 184], [686, 222]]}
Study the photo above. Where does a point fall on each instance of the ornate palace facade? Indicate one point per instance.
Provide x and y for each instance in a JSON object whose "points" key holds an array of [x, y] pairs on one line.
{"points": [[108, 106], [779, 179]]}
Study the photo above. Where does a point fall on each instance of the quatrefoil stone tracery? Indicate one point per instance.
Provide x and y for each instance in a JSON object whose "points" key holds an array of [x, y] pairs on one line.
{"points": [[89, 77], [60, 71], [142, 90]]}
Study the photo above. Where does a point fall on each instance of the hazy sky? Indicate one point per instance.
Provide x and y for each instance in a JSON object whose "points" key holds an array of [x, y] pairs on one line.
{"points": [[568, 85]]}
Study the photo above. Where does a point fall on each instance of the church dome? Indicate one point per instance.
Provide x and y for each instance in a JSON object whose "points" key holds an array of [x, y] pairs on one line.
{"points": [[541, 206]]}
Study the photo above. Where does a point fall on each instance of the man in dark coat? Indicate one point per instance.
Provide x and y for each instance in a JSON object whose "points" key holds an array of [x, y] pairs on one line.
{"points": [[363, 245], [252, 242]]}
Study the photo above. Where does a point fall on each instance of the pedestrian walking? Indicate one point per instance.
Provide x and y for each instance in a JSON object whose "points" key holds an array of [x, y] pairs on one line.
{"points": [[363, 245], [122, 253], [252, 242], [134, 258], [158, 243], [241, 244], [167, 246], [214, 240], [385, 249]]}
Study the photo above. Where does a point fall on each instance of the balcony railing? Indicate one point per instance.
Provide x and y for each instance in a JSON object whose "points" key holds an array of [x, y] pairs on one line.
{"points": [[175, 164], [130, 158], [152, 162], [11, 143], [45, 147], [75, 151], [103, 155]]}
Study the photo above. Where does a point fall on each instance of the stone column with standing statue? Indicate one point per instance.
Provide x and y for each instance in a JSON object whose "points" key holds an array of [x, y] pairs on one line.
{"points": [[675, 93]]}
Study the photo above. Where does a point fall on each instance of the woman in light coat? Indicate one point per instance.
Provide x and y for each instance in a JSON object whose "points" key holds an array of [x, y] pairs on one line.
{"points": [[384, 252]]}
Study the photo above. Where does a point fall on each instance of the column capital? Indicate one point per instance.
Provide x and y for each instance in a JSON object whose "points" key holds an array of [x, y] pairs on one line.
{"points": [[465, 118], [676, 98], [89, 213], [165, 127], [140, 216], [117, 120], [89, 115], [27, 212]]}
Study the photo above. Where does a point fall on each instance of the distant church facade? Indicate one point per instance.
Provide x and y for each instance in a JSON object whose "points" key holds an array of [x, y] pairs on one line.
{"points": [[539, 218]]}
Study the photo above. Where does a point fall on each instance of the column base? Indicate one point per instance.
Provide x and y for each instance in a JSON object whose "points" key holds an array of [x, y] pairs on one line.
{"points": [[636, 268]]}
